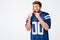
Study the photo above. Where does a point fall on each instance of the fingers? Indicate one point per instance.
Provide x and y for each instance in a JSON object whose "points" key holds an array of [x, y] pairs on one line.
{"points": [[30, 14]]}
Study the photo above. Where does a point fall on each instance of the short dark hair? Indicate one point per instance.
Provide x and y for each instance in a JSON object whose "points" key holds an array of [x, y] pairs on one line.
{"points": [[37, 2]]}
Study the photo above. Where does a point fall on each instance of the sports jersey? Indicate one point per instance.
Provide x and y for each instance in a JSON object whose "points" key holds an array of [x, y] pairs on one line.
{"points": [[37, 31]]}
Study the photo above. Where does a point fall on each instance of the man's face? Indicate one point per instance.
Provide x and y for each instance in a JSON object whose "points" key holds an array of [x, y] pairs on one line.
{"points": [[36, 8]]}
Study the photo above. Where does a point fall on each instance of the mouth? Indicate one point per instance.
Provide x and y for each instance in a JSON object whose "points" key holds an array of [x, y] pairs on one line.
{"points": [[36, 11]]}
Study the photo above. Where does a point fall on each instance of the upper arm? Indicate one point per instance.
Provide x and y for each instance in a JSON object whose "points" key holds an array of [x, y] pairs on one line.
{"points": [[47, 19]]}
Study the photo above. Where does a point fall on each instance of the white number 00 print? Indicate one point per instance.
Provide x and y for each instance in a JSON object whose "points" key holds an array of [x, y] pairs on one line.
{"points": [[37, 28]]}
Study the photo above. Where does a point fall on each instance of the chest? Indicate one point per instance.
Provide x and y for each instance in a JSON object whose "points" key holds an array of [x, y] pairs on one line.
{"points": [[34, 19]]}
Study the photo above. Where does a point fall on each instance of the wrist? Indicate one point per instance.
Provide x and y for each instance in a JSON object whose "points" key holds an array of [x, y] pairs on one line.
{"points": [[39, 18], [29, 19]]}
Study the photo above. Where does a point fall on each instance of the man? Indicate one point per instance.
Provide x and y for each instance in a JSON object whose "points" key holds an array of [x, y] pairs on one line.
{"points": [[38, 22]]}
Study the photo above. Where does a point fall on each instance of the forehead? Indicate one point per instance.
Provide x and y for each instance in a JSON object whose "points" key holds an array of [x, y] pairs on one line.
{"points": [[35, 4]]}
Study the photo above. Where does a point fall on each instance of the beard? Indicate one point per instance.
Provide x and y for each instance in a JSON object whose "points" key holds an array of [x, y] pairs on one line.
{"points": [[35, 11]]}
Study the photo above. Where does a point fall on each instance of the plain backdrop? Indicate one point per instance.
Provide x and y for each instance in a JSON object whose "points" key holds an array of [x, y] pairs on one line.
{"points": [[13, 14]]}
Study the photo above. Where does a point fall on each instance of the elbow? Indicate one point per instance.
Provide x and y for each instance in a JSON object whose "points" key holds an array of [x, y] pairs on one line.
{"points": [[46, 28], [27, 28]]}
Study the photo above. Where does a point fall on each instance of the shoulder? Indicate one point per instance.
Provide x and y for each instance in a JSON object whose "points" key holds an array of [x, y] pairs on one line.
{"points": [[46, 15]]}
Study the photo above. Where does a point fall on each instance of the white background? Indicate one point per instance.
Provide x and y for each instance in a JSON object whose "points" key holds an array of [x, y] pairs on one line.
{"points": [[13, 14]]}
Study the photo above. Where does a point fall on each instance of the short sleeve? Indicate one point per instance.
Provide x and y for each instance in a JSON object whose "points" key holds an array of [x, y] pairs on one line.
{"points": [[47, 19]]}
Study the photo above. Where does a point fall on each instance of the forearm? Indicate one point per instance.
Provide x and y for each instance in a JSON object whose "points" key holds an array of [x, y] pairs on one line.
{"points": [[28, 25], [44, 25]]}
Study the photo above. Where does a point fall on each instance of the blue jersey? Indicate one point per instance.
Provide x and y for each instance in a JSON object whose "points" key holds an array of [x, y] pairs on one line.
{"points": [[37, 31]]}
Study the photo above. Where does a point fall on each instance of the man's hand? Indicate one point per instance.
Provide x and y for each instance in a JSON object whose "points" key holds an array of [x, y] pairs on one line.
{"points": [[37, 15], [44, 25], [28, 24], [29, 16]]}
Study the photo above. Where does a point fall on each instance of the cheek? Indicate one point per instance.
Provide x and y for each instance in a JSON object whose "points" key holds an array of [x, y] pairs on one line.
{"points": [[38, 8], [35, 8]]}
